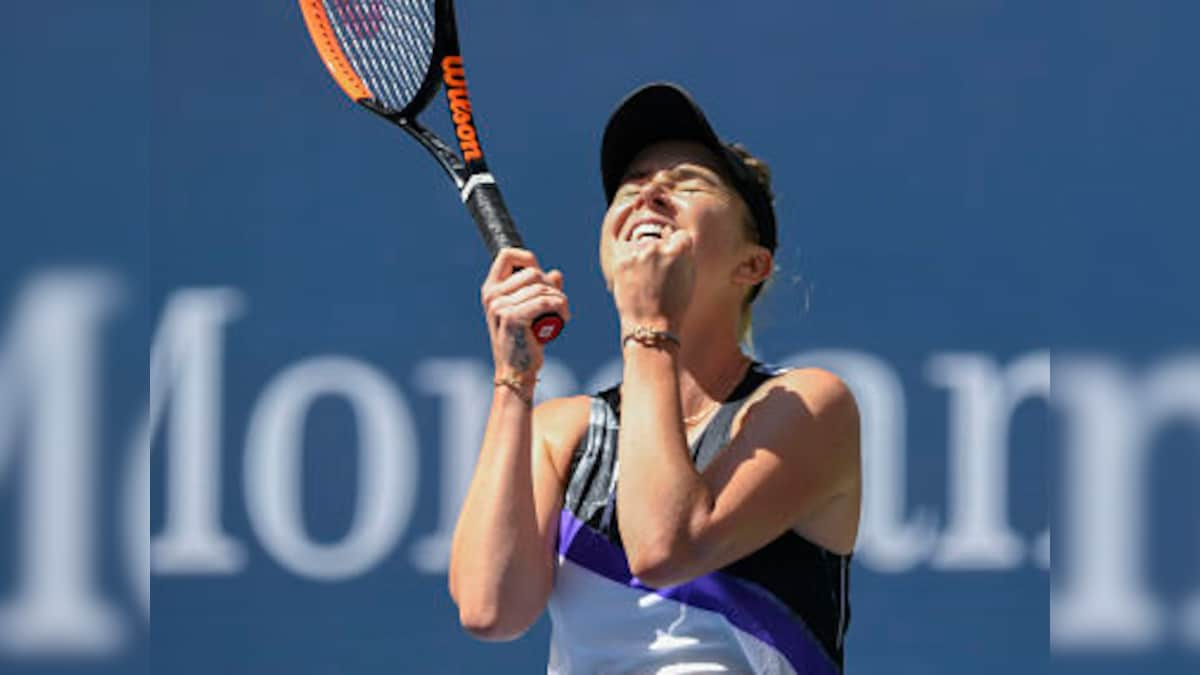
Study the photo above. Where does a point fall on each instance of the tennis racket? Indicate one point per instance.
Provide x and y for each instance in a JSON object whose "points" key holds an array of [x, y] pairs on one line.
{"points": [[391, 57]]}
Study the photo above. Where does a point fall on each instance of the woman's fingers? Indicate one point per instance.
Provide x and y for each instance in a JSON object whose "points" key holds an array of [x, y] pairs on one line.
{"points": [[653, 278], [678, 243], [493, 290], [521, 317], [507, 260], [530, 302], [516, 292]]}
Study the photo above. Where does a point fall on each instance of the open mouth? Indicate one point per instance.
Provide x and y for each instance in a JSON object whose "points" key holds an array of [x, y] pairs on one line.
{"points": [[648, 230]]}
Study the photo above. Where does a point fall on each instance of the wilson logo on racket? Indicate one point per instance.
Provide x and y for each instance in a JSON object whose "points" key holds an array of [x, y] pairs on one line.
{"points": [[455, 77]]}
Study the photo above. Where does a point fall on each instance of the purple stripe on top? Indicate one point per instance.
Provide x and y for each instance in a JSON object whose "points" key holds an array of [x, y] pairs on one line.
{"points": [[742, 605]]}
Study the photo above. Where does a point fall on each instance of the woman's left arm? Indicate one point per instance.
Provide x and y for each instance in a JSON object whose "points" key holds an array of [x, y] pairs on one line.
{"points": [[795, 450]]}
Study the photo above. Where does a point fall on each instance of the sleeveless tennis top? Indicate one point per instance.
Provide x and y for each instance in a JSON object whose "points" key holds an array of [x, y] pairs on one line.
{"points": [[781, 609]]}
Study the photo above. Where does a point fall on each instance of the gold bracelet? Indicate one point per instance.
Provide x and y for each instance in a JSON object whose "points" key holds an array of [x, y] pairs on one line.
{"points": [[649, 337], [516, 384]]}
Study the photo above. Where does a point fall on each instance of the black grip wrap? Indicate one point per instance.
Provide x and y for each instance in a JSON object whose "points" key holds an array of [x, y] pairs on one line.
{"points": [[491, 216], [496, 225]]}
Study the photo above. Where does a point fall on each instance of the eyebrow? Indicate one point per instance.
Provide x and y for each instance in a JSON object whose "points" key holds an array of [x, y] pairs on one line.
{"points": [[677, 173]]}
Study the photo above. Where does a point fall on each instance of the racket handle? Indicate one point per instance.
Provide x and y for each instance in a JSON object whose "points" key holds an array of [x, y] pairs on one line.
{"points": [[496, 227], [491, 216]]}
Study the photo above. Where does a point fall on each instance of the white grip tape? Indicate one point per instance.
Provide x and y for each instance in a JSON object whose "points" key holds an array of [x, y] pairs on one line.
{"points": [[475, 181]]}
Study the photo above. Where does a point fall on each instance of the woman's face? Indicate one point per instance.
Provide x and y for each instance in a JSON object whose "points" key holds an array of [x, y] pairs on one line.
{"points": [[676, 185]]}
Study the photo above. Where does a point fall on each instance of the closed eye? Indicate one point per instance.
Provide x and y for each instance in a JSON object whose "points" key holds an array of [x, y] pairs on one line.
{"points": [[626, 192]]}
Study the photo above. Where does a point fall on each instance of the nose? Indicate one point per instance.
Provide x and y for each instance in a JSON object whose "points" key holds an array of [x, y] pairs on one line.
{"points": [[655, 194]]}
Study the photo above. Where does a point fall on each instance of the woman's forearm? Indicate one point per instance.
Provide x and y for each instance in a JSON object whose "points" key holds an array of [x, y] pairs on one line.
{"points": [[661, 499], [499, 573]]}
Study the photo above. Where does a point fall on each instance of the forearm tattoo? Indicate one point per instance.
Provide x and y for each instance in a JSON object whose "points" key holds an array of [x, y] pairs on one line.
{"points": [[519, 357]]}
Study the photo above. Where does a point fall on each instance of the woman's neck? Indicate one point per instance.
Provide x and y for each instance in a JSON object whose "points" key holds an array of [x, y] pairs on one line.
{"points": [[711, 363]]}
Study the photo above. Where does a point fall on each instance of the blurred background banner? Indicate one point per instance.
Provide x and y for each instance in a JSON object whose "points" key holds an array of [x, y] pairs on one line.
{"points": [[987, 228], [74, 334]]}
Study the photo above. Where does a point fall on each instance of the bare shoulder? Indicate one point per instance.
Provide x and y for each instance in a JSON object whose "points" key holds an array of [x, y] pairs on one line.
{"points": [[793, 461], [810, 418], [812, 393], [810, 410], [564, 416], [815, 385], [558, 426], [823, 393]]}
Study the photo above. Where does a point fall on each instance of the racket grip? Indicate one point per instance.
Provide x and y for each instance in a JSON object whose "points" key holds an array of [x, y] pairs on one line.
{"points": [[491, 216], [496, 226]]}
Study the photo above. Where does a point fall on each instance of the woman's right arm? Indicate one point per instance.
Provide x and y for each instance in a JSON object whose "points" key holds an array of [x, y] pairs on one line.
{"points": [[501, 560]]}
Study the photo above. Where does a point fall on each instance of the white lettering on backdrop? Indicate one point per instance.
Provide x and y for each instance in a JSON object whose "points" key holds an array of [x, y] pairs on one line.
{"points": [[48, 401]]}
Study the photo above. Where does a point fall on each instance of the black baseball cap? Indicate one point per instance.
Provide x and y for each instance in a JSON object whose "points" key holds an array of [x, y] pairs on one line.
{"points": [[663, 111]]}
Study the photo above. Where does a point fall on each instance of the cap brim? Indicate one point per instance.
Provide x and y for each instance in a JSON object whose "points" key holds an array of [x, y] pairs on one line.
{"points": [[654, 113]]}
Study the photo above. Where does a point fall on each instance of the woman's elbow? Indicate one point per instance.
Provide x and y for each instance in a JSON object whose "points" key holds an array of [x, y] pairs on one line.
{"points": [[490, 625], [497, 617], [660, 568]]}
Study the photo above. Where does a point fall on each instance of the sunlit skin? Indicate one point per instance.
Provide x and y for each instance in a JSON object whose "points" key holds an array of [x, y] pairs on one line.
{"points": [[706, 262], [792, 461]]}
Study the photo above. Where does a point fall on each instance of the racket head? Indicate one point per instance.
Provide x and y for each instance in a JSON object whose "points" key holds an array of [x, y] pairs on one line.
{"points": [[384, 54], [392, 56]]}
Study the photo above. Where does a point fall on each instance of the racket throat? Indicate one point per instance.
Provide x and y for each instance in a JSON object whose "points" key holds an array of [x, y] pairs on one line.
{"points": [[446, 156], [474, 182]]}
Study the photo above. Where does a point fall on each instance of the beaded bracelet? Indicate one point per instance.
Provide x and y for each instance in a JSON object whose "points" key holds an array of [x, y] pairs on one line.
{"points": [[649, 337]]}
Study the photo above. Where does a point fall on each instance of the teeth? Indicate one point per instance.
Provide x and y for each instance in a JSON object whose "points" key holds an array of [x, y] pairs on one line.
{"points": [[647, 230]]}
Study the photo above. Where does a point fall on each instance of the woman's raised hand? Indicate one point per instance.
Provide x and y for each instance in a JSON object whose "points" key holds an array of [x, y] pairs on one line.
{"points": [[653, 281], [515, 293]]}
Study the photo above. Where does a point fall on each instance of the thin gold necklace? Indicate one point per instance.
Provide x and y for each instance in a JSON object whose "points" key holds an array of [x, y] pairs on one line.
{"points": [[696, 418], [693, 420]]}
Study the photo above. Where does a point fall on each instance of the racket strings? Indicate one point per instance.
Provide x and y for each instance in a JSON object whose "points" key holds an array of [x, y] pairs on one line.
{"points": [[416, 39], [361, 27], [389, 43]]}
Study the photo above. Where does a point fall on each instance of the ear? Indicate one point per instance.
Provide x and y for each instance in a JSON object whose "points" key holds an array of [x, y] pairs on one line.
{"points": [[755, 267]]}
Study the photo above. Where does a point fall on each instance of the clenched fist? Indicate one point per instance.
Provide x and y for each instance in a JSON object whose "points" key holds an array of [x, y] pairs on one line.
{"points": [[653, 280]]}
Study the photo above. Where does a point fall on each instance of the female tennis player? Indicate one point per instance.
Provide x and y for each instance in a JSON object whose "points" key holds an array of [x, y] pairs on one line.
{"points": [[700, 516]]}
